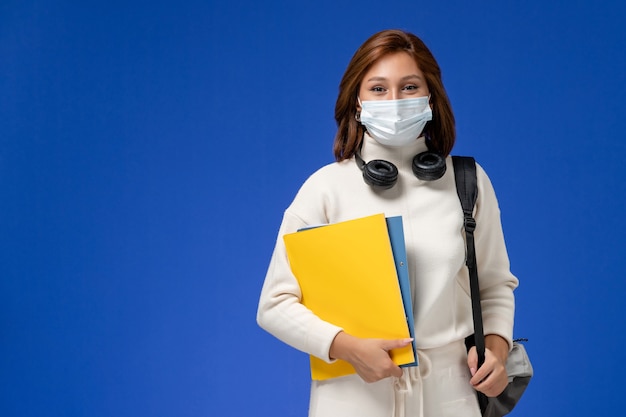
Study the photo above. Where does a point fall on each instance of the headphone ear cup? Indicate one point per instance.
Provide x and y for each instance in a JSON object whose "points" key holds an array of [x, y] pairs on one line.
{"points": [[429, 166], [380, 173]]}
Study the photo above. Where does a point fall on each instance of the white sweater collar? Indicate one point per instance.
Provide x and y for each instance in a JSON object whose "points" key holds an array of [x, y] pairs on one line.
{"points": [[401, 155]]}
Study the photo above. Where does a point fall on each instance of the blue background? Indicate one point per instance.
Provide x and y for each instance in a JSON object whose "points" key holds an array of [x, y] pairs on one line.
{"points": [[149, 148]]}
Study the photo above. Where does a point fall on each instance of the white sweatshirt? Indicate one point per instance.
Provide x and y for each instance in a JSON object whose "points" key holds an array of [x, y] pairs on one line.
{"points": [[433, 228]]}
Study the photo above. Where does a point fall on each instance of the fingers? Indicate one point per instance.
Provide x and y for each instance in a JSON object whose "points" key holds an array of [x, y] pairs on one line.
{"points": [[388, 345], [395, 343], [381, 369], [472, 360], [372, 360], [491, 378], [480, 374], [492, 386], [396, 371]]}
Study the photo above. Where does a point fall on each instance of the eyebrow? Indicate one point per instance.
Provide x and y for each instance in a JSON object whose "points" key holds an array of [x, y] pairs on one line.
{"points": [[407, 77]]}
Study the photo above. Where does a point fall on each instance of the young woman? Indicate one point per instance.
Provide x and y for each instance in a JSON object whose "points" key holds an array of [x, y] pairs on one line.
{"points": [[392, 109]]}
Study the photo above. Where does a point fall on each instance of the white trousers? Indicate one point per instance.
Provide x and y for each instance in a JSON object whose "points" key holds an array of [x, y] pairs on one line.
{"points": [[438, 387]]}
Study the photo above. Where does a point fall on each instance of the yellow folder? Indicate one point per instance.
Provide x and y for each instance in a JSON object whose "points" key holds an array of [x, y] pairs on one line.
{"points": [[347, 276]]}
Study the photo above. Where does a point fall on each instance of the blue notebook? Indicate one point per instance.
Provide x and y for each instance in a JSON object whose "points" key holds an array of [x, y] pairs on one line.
{"points": [[398, 247]]}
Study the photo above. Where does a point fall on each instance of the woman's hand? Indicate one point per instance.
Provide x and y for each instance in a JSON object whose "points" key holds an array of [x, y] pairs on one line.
{"points": [[369, 357], [491, 379]]}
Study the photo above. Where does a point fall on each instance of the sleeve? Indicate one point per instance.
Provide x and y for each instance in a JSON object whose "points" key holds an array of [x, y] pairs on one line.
{"points": [[280, 311], [496, 280]]}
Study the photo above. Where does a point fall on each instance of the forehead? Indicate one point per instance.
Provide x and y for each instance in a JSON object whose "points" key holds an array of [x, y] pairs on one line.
{"points": [[395, 64]]}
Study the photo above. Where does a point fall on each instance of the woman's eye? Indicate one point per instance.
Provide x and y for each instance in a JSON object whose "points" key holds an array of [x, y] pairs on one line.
{"points": [[411, 87], [377, 89]]}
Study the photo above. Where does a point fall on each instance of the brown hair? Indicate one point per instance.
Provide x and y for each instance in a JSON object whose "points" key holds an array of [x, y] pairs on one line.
{"points": [[440, 130]]}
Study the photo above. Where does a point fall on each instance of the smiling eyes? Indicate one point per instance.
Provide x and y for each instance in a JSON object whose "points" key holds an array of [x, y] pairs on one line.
{"points": [[381, 89]]}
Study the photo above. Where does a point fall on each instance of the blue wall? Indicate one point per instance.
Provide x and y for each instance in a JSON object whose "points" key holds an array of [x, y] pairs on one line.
{"points": [[148, 150]]}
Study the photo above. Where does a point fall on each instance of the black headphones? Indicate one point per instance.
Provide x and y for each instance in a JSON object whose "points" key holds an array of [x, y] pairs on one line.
{"points": [[427, 166]]}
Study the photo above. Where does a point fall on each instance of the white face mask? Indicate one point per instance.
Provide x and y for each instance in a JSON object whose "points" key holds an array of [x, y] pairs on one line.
{"points": [[396, 122]]}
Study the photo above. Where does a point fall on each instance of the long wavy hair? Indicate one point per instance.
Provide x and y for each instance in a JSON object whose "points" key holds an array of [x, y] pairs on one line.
{"points": [[440, 131]]}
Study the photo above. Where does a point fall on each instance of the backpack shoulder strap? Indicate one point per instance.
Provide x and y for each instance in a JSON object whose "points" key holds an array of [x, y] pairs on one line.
{"points": [[466, 183], [467, 189]]}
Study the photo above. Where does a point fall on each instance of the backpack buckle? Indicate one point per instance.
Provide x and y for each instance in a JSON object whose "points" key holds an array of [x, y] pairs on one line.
{"points": [[469, 223]]}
